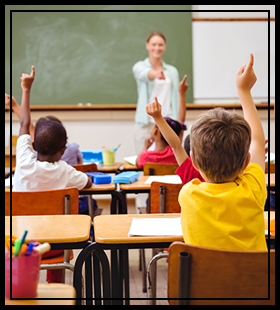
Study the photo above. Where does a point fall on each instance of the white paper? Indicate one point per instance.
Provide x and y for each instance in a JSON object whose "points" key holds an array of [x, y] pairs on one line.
{"points": [[266, 232], [172, 179], [155, 227], [131, 159]]}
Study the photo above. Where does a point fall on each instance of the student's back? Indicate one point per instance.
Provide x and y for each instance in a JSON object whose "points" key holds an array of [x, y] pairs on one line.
{"points": [[226, 211], [46, 171]]}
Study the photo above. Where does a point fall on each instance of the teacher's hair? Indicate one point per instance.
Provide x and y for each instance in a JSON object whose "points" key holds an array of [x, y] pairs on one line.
{"points": [[156, 33]]}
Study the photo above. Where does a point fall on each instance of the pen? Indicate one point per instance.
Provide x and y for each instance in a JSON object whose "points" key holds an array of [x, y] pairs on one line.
{"points": [[29, 249]]}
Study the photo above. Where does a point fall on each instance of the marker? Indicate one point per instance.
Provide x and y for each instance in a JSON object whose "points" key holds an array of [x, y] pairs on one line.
{"points": [[23, 237], [23, 250], [29, 249], [17, 247]]}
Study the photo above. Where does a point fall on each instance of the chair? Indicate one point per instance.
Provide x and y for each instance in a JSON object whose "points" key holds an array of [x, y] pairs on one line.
{"points": [[201, 273], [86, 167], [163, 199], [50, 202], [159, 169]]}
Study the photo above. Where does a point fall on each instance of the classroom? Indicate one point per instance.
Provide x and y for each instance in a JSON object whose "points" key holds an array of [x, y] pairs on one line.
{"points": [[85, 59]]}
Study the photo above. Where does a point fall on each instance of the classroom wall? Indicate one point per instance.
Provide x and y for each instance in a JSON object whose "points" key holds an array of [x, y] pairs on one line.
{"points": [[93, 129]]}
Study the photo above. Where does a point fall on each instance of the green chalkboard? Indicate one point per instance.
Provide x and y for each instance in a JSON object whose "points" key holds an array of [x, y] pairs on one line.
{"points": [[87, 56]]}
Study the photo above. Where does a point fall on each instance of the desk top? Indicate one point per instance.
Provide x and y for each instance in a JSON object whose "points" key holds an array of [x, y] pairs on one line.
{"points": [[109, 168], [50, 228], [139, 184], [49, 290], [114, 229]]}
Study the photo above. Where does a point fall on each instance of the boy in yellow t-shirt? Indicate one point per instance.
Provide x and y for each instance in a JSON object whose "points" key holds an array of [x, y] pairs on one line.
{"points": [[228, 150]]}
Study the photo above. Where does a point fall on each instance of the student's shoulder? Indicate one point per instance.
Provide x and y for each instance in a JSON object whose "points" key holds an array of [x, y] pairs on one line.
{"points": [[254, 176]]}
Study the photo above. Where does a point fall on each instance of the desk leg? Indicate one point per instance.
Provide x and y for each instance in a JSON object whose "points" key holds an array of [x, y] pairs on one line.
{"points": [[77, 277]]}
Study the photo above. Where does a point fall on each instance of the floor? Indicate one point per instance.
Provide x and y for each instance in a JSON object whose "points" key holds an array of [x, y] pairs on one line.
{"points": [[135, 276]]}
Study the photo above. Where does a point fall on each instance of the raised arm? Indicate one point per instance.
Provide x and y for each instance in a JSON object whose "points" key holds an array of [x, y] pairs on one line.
{"points": [[154, 110], [25, 119], [245, 80], [183, 87]]}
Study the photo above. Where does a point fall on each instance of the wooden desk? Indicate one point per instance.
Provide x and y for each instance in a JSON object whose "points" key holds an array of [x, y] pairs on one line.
{"points": [[61, 231], [129, 167], [109, 168], [117, 231], [47, 294], [101, 189], [137, 185]]}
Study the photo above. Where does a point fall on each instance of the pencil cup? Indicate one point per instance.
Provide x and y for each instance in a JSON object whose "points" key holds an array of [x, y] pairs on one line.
{"points": [[25, 275], [108, 157]]}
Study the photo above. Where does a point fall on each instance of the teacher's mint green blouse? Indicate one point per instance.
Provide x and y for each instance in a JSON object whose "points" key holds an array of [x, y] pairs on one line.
{"points": [[145, 86]]}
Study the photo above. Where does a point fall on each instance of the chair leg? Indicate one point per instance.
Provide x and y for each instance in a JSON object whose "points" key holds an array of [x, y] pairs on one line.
{"points": [[151, 276], [143, 264]]}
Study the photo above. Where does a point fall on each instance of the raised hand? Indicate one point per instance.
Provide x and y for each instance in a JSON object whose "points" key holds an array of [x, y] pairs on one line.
{"points": [[245, 77], [183, 86], [154, 109], [27, 79]]}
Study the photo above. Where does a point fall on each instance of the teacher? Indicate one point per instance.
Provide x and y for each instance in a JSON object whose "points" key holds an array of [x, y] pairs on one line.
{"points": [[154, 78]]}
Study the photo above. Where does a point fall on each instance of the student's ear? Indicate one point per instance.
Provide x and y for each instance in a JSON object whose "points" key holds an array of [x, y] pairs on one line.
{"points": [[193, 162], [33, 145], [247, 161], [63, 150]]}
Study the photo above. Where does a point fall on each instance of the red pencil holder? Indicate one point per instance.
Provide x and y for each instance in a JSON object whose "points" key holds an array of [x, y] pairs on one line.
{"points": [[25, 275]]}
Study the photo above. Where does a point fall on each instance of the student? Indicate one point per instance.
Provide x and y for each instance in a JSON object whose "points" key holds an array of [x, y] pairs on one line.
{"points": [[46, 171], [186, 170], [163, 153], [72, 154], [226, 211]]}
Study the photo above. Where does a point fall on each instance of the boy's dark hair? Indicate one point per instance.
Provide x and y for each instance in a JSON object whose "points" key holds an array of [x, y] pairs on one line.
{"points": [[187, 144], [50, 136], [220, 142]]}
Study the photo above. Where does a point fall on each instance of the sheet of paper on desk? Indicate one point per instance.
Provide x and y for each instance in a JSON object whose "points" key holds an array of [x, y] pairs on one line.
{"points": [[131, 159], [155, 227], [172, 179]]}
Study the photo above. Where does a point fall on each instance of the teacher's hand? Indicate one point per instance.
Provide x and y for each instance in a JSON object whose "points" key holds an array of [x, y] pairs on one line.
{"points": [[156, 74]]}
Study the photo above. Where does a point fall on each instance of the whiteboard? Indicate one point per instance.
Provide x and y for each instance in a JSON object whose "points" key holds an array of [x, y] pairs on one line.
{"points": [[221, 48]]}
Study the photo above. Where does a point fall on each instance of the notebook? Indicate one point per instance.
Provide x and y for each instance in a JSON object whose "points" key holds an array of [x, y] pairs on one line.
{"points": [[155, 227], [173, 179]]}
